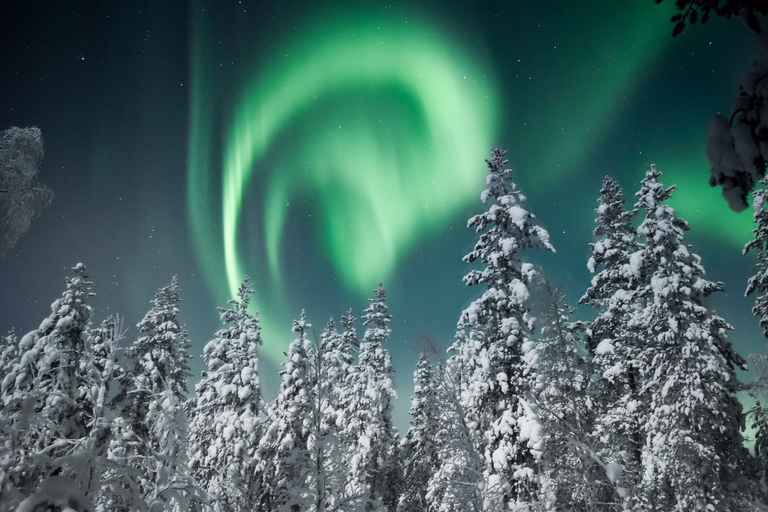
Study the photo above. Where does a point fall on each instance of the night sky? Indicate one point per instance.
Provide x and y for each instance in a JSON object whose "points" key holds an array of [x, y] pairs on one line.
{"points": [[321, 148]]}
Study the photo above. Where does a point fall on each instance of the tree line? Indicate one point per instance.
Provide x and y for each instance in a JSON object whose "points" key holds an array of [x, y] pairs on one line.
{"points": [[532, 410]]}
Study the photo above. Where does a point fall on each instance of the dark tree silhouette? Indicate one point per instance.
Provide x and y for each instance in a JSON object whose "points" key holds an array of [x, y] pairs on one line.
{"points": [[22, 197]]}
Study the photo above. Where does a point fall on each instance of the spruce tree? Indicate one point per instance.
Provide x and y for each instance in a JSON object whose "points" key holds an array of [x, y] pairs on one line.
{"points": [[46, 395], [492, 333], [759, 284], [284, 454], [226, 419], [614, 341], [419, 445], [572, 477], [693, 456], [759, 244], [376, 462], [151, 424], [457, 482]]}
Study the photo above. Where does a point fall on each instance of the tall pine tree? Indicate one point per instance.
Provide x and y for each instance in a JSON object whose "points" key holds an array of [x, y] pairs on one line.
{"points": [[419, 445], [572, 477], [375, 462], [693, 455], [614, 344], [492, 332], [151, 423], [284, 453], [226, 414]]}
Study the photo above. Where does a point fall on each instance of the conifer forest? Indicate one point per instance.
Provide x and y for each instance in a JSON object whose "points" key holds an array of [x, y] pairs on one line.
{"points": [[290, 267]]}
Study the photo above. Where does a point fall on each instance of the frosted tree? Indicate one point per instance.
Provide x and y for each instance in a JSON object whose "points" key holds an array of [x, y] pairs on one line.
{"points": [[693, 455], [492, 333], [330, 414], [614, 340], [150, 420], [419, 444], [226, 414], [457, 479], [45, 395], [9, 358], [375, 463], [284, 454], [55, 400], [759, 244], [759, 284], [351, 415], [22, 197], [573, 476]]}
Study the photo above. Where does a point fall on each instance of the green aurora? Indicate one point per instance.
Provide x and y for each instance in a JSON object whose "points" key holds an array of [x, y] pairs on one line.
{"points": [[373, 131]]}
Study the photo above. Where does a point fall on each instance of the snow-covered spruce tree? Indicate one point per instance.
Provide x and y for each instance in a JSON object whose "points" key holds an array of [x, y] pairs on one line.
{"points": [[151, 389], [419, 445], [9, 358], [333, 364], [573, 478], [614, 344], [351, 416], [493, 330], [9, 353], [375, 463], [456, 482], [759, 284], [284, 453], [693, 456], [759, 244], [46, 395], [225, 427]]}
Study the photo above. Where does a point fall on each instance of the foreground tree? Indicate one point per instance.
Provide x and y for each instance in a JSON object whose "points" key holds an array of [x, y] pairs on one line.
{"points": [[375, 465], [492, 333], [420, 442], [573, 476], [45, 395], [759, 284], [614, 342], [284, 452], [226, 414], [151, 422], [53, 417], [693, 456]]}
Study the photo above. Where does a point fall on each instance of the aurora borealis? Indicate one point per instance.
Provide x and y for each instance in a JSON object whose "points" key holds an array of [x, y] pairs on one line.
{"points": [[385, 121], [321, 149]]}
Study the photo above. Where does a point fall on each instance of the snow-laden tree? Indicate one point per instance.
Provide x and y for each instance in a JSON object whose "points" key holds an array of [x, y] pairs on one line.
{"points": [[457, 481], [22, 197], [9, 357], [54, 413], [573, 476], [45, 395], [419, 446], [151, 389], [614, 340], [333, 364], [225, 428], [759, 284], [493, 330], [284, 454], [375, 462], [693, 454], [759, 244]]}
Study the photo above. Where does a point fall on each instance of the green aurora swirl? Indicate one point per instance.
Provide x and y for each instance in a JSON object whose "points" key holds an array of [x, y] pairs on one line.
{"points": [[386, 123], [369, 132]]}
